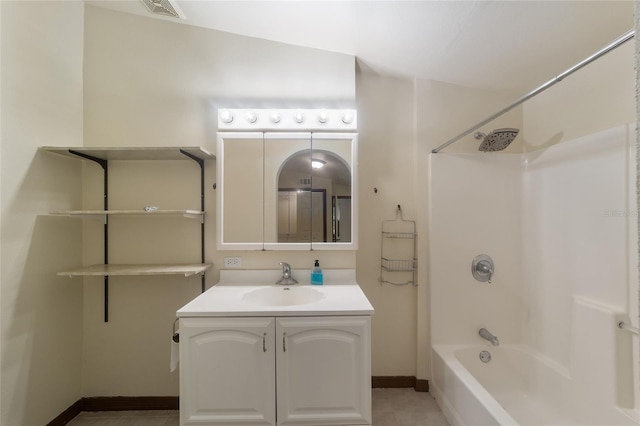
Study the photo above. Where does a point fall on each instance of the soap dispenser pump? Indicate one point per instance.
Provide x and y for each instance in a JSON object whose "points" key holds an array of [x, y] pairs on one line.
{"points": [[316, 274]]}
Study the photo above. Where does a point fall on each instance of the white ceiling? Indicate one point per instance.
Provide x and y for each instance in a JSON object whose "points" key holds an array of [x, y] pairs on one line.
{"points": [[498, 45]]}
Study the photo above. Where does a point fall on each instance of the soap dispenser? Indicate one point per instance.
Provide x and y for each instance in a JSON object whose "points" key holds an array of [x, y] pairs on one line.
{"points": [[316, 274]]}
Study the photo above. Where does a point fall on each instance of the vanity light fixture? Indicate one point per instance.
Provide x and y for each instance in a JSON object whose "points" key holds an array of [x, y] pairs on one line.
{"points": [[317, 164], [298, 119], [252, 117], [226, 116]]}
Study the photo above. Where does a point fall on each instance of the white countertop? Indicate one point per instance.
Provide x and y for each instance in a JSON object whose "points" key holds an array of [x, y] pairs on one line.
{"points": [[341, 295]]}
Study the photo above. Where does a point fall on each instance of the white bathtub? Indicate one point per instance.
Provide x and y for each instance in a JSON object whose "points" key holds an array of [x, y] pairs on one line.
{"points": [[517, 387]]}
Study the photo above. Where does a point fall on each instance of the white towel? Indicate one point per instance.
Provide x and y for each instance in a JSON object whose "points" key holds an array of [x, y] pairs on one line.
{"points": [[175, 356]]}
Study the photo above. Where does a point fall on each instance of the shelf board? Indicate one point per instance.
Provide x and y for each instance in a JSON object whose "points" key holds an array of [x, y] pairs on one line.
{"points": [[137, 270], [402, 235], [99, 213], [398, 265], [133, 153]]}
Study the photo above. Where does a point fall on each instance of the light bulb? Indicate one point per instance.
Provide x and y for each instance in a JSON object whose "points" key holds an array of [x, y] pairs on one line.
{"points": [[322, 118], [275, 117], [317, 164], [299, 117], [347, 118], [226, 116], [252, 117]]}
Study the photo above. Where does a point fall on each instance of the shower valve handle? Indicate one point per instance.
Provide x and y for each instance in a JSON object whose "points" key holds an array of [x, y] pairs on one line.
{"points": [[482, 268]]}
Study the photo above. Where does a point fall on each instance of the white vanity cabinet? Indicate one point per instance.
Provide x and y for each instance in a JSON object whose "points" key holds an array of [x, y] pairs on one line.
{"points": [[227, 371], [324, 370], [244, 370]]}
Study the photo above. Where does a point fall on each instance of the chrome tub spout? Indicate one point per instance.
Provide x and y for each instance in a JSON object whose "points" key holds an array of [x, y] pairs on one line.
{"points": [[485, 334]]}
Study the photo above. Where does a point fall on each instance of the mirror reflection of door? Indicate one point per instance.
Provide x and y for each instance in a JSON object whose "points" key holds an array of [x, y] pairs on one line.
{"points": [[306, 209], [341, 219], [298, 210]]}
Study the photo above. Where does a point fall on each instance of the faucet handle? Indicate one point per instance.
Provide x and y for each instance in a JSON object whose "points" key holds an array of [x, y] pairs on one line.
{"points": [[286, 275], [482, 268], [286, 269]]}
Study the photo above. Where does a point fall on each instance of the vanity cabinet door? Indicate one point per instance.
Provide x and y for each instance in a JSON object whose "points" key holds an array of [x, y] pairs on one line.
{"points": [[323, 370], [227, 371]]}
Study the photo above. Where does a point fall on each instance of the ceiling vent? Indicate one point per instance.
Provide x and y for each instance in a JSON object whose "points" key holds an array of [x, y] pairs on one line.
{"points": [[164, 7]]}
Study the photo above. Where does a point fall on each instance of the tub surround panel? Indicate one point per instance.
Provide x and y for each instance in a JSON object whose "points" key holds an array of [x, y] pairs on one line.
{"points": [[602, 366], [576, 211], [471, 216], [578, 270]]}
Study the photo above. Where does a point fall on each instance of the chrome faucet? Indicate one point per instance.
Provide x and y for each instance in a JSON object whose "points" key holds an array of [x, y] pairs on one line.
{"points": [[286, 275], [485, 334]]}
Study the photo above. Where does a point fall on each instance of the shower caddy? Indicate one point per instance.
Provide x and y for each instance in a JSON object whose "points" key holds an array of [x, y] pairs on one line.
{"points": [[398, 235], [102, 157]]}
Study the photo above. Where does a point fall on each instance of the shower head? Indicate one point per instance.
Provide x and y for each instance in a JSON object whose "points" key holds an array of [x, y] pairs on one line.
{"points": [[497, 140]]}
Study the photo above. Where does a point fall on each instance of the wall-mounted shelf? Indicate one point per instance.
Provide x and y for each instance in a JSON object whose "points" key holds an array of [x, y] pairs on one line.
{"points": [[136, 270], [133, 153], [102, 157], [398, 265], [194, 214], [402, 235]]}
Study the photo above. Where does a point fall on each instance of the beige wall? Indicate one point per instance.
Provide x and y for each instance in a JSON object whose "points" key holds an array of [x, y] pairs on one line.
{"points": [[595, 98], [446, 110], [386, 162], [155, 83], [160, 83], [41, 97]]}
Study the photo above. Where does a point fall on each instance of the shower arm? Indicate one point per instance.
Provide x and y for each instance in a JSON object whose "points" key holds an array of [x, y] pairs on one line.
{"points": [[616, 43]]}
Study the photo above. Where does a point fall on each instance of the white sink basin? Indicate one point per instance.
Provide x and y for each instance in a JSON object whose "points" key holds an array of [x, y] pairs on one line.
{"points": [[283, 296]]}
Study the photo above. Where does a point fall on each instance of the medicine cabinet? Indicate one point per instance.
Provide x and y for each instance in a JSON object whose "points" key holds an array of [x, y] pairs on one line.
{"points": [[283, 189]]}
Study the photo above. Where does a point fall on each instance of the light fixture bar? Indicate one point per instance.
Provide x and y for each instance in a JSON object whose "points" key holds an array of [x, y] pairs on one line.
{"points": [[287, 119]]}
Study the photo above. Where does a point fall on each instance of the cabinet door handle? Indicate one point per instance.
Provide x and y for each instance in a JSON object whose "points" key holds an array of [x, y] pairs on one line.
{"points": [[264, 342], [284, 342]]}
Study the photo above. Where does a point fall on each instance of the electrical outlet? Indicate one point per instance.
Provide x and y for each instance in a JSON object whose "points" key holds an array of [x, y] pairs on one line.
{"points": [[233, 262]]}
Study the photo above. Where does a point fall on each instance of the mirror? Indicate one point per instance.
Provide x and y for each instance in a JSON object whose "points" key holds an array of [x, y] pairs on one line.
{"points": [[314, 197], [241, 195], [271, 198]]}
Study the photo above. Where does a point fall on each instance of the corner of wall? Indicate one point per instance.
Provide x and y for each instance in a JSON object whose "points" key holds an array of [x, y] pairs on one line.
{"points": [[41, 104]]}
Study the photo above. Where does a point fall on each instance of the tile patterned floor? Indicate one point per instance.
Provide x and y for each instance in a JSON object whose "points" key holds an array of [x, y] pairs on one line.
{"points": [[405, 407], [126, 418], [391, 407]]}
